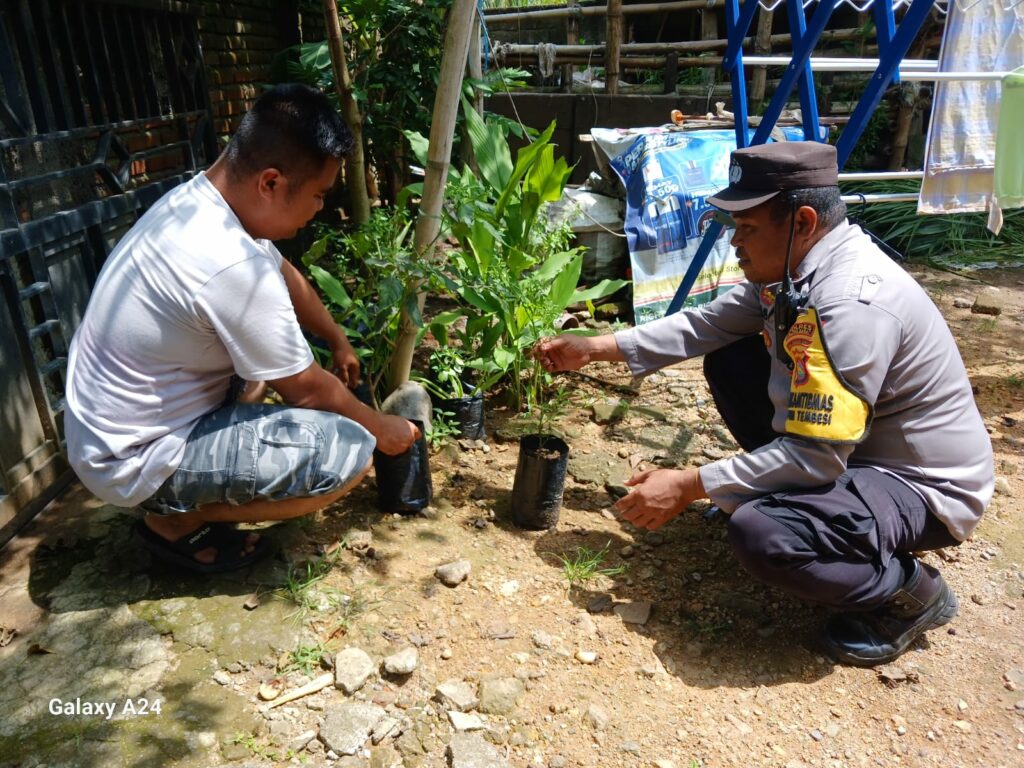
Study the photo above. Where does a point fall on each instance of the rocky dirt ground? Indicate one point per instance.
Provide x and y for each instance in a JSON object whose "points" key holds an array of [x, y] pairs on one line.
{"points": [[678, 660]]}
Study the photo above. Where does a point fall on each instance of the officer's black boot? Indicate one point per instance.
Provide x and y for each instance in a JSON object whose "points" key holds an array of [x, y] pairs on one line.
{"points": [[879, 636]]}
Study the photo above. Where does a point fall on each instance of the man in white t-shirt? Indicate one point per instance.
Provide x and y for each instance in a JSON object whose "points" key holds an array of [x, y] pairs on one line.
{"points": [[194, 295]]}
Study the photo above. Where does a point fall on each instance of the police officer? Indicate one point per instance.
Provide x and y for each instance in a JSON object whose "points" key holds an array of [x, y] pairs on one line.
{"points": [[839, 378]]}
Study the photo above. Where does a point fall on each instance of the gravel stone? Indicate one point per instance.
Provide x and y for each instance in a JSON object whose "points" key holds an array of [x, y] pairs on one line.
{"points": [[453, 574], [352, 668], [402, 663], [347, 726]]}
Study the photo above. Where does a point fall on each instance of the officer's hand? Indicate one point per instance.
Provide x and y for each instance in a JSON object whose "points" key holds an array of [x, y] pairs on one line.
{"points": [[567, 352], [344, 362], [659, 495], [394, 434]]}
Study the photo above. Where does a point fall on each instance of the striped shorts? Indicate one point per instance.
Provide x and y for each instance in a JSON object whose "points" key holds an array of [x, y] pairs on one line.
{"points": [[242, 452]]}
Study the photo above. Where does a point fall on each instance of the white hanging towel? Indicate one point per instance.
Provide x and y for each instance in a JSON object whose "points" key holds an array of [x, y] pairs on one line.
{"points": [[960, 157]]}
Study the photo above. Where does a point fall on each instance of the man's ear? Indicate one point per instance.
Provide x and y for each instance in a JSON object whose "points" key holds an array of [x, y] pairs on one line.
{"points": [[806, 221], [268, 182]]}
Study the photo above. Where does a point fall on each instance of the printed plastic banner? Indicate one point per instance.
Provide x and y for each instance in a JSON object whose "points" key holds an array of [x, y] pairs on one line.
{"points": [[668, 177]]}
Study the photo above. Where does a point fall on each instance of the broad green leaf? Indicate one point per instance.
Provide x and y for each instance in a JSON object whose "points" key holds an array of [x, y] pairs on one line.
{"points": [[316, 251], [565, 284], [524, 159], [489, 147], [554, 265], [504, 358], [331, 287], [481, 240], [420, 146], [599, 291], [486, 303], [407, 193], [315, 56]]}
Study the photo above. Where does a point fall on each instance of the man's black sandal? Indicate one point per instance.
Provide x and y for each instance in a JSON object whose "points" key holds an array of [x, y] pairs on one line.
{"points": [[225, 538]]}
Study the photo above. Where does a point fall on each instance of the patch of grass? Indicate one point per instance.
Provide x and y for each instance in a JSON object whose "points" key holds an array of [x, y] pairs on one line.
{"points": [[945, 240], [306, 658], [1015, 381], [584, 565], [347, 612], [298, 587], [261, 749], [987, 325]]}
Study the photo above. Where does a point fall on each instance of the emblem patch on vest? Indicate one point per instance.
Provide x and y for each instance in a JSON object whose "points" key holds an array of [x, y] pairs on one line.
{"points": [[822, 406]]}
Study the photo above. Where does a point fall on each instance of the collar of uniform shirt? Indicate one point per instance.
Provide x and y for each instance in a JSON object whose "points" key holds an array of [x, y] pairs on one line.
{"points": [[821, 250]]}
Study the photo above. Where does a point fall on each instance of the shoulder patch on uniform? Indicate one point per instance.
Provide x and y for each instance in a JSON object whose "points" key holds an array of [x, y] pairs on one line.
{"points": [[821, 405], [869, 286]]}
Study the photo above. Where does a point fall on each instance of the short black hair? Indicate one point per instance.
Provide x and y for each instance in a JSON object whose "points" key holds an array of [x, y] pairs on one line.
{"points": [[291, 127], [826, 201]]}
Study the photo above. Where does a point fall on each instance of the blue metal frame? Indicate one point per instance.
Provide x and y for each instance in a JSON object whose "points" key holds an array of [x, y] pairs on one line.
{"points": [[805, 85], [893, 44], [888, 65]]}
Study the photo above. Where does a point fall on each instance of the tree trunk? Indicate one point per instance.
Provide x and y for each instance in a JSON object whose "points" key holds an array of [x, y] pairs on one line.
{"points": [[355, 163], [461, 19]]}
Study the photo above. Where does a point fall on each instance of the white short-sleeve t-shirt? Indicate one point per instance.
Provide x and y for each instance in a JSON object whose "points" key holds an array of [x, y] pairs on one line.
{"points": [[185, 300]]}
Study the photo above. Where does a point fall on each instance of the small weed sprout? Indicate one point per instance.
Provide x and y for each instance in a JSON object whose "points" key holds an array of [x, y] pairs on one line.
{"points": [[1015, 381], [259, 749], [442, 430], [584, 565], [306, 658]]}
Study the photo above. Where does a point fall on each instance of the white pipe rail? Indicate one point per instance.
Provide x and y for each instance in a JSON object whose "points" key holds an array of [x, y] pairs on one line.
{"points": [[896, 197], [880, 175]]}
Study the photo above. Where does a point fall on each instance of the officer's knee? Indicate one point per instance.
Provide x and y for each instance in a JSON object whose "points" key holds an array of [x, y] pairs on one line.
{"points": [[753, 535]]}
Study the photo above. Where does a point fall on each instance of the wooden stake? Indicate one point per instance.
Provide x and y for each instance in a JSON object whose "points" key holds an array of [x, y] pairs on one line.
{"points": [[762, 47], [613, 44], [572, 37], [355, 163], [461, 19]]}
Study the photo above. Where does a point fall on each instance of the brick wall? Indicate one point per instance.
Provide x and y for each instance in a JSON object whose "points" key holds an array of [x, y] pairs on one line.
{"points": [[239, 41]]}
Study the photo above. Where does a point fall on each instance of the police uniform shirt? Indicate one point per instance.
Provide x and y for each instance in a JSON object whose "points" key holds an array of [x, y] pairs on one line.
{"points": [[876, 381]]}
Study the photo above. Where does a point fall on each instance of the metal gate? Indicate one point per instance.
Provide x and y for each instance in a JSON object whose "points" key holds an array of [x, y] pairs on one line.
{"points": [[103, 107]]}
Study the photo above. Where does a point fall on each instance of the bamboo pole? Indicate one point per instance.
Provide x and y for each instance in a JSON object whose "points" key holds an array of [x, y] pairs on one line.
{"points": [[474, 62], [497, 17], [461, 19], [613, 44], [475, 70], [687, 46], [572, 37], [762, 47], [355, 163]]}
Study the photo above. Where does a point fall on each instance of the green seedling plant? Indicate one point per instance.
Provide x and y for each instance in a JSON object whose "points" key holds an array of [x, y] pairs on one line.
{"points": [[367, 277], [512, 274], [446, 377], [584, 565]]}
